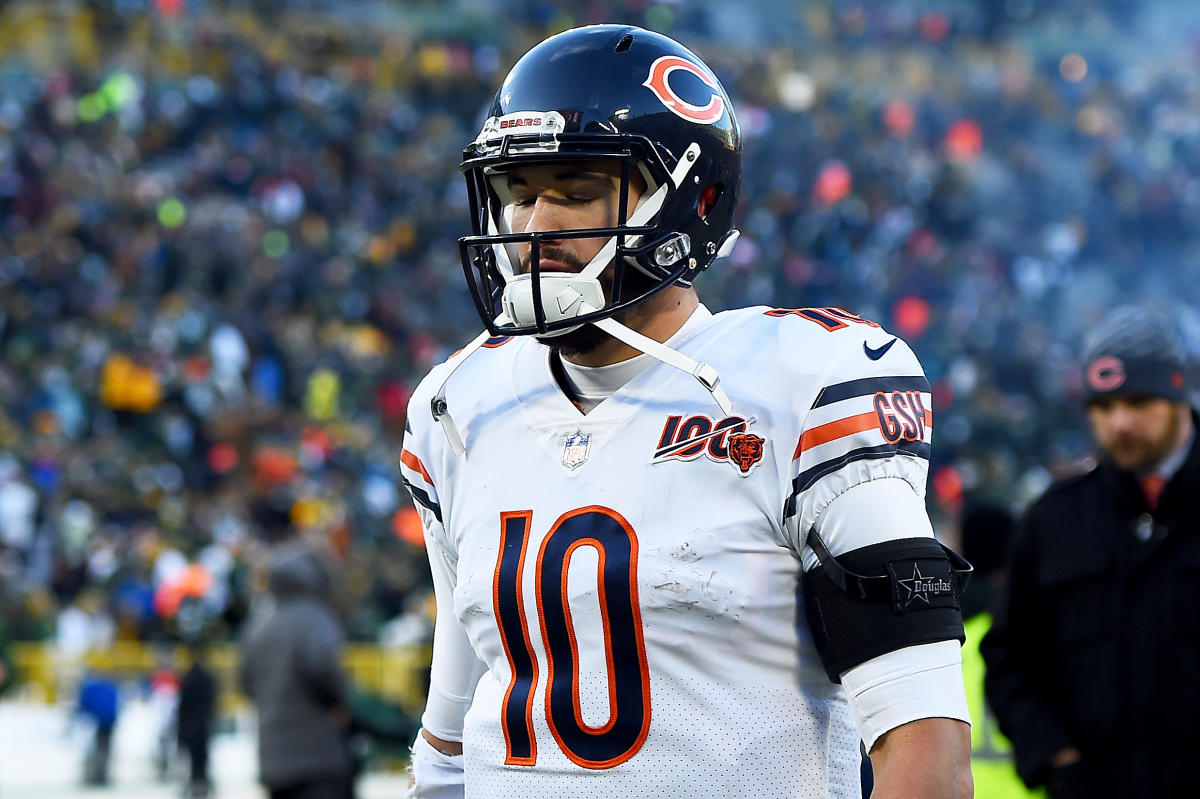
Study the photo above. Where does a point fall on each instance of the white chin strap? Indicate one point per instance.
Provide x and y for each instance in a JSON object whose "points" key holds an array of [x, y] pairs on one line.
{"points": [[705, 374]]}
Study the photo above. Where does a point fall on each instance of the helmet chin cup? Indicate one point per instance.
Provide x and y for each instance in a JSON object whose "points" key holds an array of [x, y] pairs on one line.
{"points": [[564, 296]]}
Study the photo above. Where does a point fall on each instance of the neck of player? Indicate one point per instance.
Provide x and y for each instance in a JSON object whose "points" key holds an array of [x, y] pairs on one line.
{"points": [[658, 318]]}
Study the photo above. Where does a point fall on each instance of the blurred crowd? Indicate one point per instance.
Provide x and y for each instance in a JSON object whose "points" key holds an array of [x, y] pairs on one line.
{"points": [[227, 254]]}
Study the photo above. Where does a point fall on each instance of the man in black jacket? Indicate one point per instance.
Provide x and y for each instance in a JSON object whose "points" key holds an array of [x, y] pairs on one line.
{"points": [[1092, 657]]}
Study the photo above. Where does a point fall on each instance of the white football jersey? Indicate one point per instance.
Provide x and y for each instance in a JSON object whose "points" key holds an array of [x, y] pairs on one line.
{"points": [[630, 578]]}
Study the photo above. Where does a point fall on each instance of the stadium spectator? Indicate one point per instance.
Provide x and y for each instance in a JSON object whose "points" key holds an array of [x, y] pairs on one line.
{"points": [[291, 669], [197, 714], [100, 703], [164, 705], [1091, 661]]}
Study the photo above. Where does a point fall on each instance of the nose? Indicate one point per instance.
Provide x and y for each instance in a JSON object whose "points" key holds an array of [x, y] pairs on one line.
{"points": [[1123, 418], [545, 217]]}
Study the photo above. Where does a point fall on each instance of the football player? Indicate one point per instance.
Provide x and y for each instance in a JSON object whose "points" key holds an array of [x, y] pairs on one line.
{"points": [[675, 553]]}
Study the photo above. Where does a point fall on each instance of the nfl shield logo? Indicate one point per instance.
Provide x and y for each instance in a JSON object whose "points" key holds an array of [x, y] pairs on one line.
{"points": [[575, 451]]}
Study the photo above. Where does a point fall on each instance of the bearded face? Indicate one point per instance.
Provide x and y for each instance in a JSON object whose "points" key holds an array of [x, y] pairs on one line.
{"points": [[1138, 432]]}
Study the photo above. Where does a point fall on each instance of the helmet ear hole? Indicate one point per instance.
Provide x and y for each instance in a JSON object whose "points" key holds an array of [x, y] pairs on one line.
{"points": [[708, 198]]}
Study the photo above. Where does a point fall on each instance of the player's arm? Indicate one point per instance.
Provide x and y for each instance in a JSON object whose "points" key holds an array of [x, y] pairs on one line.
{"points": [[880, 591], [446, 747], [436, 770], [926, 758], [437, 759], [896, 652]]}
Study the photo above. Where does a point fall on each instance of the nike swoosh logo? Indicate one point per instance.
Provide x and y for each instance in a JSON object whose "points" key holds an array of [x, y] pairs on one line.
{"points": [[876, 354]]}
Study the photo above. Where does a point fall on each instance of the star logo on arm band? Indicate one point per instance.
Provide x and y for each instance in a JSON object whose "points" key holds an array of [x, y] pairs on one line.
{"points": [[920, 587]]}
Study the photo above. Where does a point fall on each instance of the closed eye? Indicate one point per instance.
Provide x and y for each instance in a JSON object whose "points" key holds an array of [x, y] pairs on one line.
{"points": [[524, 202]]}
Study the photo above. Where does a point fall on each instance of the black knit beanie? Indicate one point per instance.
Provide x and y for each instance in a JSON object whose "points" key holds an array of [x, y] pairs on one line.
{"points": [[1134, 351]]}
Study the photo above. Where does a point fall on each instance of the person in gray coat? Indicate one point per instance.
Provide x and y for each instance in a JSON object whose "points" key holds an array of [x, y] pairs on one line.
{"points": [[291, 669]]}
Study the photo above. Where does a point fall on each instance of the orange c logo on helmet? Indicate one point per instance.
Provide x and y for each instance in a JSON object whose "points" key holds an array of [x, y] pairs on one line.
{"points": [[659, 82]]}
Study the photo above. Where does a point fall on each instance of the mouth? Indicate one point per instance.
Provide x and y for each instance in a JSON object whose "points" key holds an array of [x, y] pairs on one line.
{"points": [[552, 261], [550, 265]]}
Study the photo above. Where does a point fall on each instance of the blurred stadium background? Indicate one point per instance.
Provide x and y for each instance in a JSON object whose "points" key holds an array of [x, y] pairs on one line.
{"points": [[227, 254]]}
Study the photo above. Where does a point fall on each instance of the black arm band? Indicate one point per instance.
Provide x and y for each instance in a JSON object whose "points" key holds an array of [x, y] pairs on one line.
{"points": [[882, 597]]}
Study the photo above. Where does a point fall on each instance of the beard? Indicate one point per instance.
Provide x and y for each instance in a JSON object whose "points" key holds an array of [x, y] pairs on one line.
{"points": [[581, 341], [1137, 452], [588, 338]]}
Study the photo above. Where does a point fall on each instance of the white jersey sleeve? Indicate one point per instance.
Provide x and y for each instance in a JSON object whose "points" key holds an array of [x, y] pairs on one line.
{"points": [[868, 419], [455, 669]]}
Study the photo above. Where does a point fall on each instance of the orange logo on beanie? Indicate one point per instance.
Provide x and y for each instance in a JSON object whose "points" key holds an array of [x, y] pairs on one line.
{"points": [[1106, 373]]}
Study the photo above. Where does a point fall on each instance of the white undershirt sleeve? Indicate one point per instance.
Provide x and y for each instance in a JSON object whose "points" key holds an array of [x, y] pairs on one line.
{"points": [[870, 513], [917, 682], [455, 669]]}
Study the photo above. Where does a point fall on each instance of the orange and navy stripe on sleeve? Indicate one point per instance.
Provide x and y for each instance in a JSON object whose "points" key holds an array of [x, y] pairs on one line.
{"points": [[864, 419], [418, 482]]}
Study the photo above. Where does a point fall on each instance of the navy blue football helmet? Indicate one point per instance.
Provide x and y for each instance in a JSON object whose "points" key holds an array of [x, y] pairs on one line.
{"points": [[603, 92]]}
